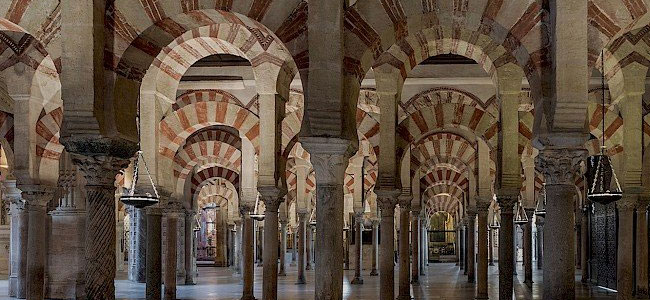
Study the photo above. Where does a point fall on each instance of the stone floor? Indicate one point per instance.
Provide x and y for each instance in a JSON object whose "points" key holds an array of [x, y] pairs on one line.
{"points": [[443, 281]]}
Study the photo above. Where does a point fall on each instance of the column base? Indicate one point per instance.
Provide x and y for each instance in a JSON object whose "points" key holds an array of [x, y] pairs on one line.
{"points": [[356, 280], [374, 273], [415, 282], [308, 267], [301, 281], [482, 297], [491, 264], [248, 298], [528, 282], [282, 273], [404, 297]]}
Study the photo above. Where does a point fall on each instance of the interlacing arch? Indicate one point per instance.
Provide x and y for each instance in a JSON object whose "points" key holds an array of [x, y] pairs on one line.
{"points": [[443, 202], [444, 175], [219, 189], [208, 142]]}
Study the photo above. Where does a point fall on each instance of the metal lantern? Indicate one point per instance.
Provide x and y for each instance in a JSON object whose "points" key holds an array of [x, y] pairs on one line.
{"points": [[520, 218], [540, 209], [602, 184], [257, 217], [140, 198], [495, 224]]}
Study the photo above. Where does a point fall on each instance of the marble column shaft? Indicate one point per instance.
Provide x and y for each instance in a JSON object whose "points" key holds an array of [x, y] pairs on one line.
{"points": [[138, 251], [540, 243], [528, 248], [461, 246], [483, 245], [625, 242], [471, 255], [36, 199], [415, 247], [154, 254], [404, 260], [302, 236], [171, 252], [641, 250], [99, 172], [248, 255], [560, 167], [375, 247], [387, 247], [506, 245], [491, 246], [309, 248], [272, 198], [190, 250], [19, 225], [283, 248], [584, 244], [358, 254]]}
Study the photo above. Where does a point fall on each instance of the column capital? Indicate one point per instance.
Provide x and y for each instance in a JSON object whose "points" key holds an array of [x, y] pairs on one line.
{"points": [[154, 210], [358, 216], [37, 194], [99, 170], [405, 201], [507, 201], [374, 222], [272, 197], [387, 198], [246, 207], [626, 204], [560, 165], [482, 207], [173, 209], [12, 193], [329, 157]]}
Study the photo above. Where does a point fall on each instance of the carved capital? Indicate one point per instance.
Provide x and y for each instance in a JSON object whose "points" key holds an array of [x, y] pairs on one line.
{"points": [[36, 194], [482, 207], [507, 202], [405, 201], [560, 165], [387, 198], [246, 207], [272, 197], [11, 193], [99, 170], [173, 209], [329, 157], [626, 204]]}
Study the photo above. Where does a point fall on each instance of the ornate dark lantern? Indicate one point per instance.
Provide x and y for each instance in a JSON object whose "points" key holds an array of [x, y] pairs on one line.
{"points": [[495, 224], [520, 217], [540, 209], [602, 184]]}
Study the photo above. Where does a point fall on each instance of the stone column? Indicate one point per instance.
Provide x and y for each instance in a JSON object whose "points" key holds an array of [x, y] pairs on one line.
{"points": [[154, 253], [18, 240], [100, 172], [506, 245], [173, 212], [491, 246], [641, 249], [584, 244], [471, 255], [138, 249], [482, 209], [461, 245], [308, 248], [465, 247], [294, 248], [36, 199], [260, 244], [283, 247], [528, 247], [330, 157], [625, 245], [423, 244], [190, 249], [248, 256], [375, 247], [358, 255], [272, 197], [404, 260], [303, 216], [540, 242], [415, 246], [386, 201], [560, 167]]}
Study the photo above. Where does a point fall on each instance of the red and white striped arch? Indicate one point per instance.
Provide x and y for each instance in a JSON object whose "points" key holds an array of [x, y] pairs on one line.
{"points": [[204, 176], [443, 203], [218, 193], [192, 154]]}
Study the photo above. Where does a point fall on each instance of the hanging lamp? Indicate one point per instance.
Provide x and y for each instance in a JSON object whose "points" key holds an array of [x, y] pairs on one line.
{"points": [[540, 209], [602, 185], [140, 197], [520, 218], [495, 224]]}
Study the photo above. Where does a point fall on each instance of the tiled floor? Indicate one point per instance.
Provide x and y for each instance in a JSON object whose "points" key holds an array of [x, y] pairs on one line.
{"points": [[443, 281]]}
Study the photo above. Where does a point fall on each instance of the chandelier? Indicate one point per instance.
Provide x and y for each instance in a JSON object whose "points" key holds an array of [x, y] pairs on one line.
{"points": [[602, 184], [495, 224], [135, 196], [520, 217]]}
